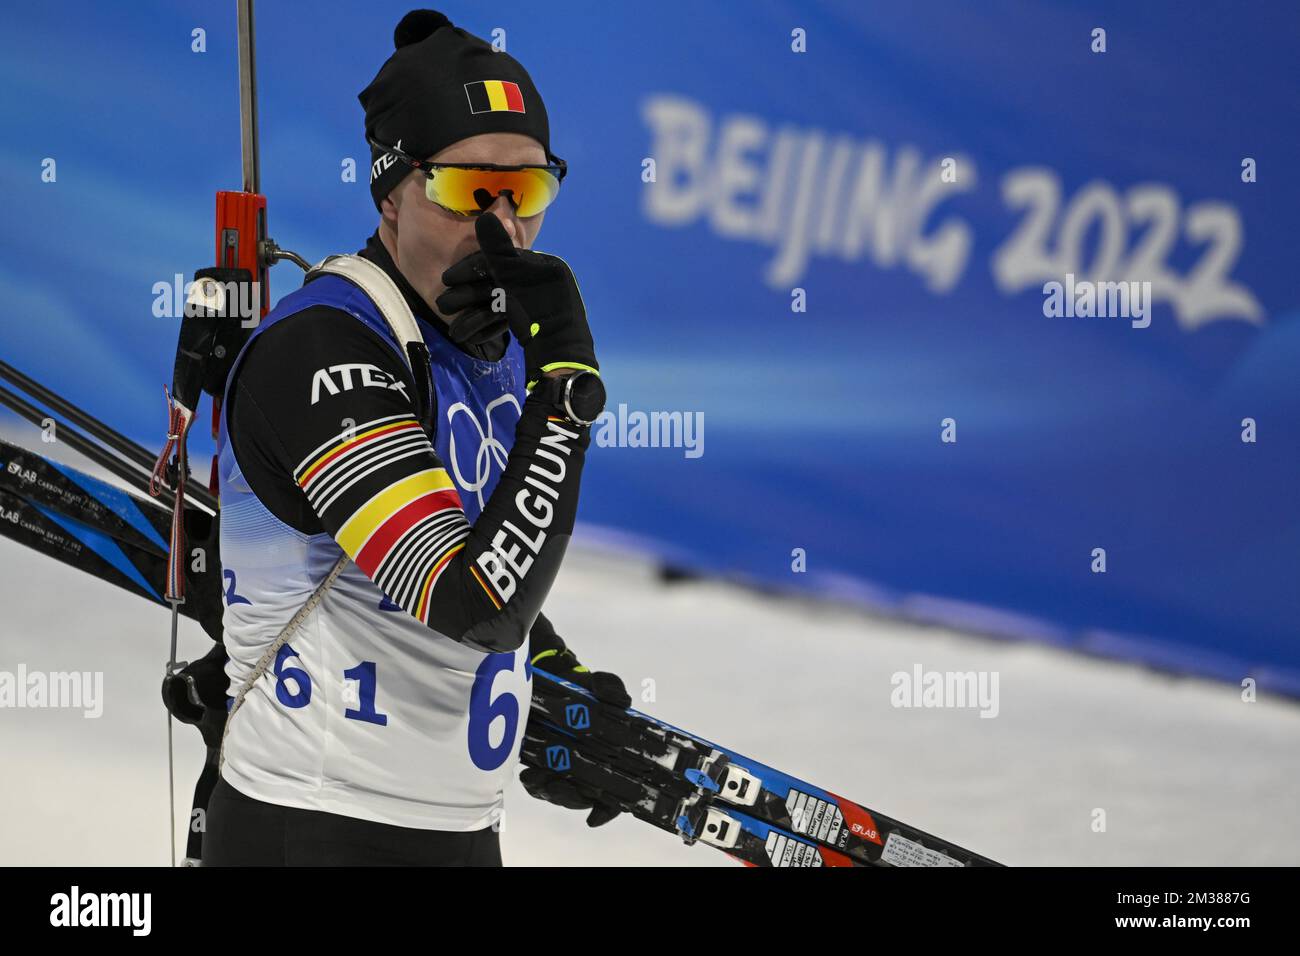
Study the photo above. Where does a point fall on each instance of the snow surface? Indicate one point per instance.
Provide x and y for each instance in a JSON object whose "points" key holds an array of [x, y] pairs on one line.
{"points": [[1186, 772]]}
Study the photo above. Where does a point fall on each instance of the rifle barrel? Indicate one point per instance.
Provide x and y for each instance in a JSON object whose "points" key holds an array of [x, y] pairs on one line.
{"points": [[248, 98]]}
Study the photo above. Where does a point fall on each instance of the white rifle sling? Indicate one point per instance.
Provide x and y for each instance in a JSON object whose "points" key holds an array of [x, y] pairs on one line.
{"points": [[382, 291]]}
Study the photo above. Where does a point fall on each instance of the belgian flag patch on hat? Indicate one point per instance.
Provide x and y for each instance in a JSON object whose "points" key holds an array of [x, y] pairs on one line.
{"points": [[494, 96]]}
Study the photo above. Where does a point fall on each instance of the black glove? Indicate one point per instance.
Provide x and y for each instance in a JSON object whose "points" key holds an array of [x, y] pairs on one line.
{"points": [[543, 307], [564, 792], [550, 654], [196, 694], [605, 687]]}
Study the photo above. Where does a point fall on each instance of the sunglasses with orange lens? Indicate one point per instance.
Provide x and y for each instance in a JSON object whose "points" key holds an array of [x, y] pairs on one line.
{"points": [[468, 189]]}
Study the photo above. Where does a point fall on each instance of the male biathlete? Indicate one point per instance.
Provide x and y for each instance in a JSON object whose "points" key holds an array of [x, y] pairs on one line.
{"points": [[379, 701]]}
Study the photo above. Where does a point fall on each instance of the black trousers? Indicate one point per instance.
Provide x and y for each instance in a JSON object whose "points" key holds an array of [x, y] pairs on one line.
{"points": [[242, 831]]}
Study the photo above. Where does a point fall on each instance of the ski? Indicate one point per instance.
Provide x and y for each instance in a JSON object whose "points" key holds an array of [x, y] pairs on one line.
{"points": [[100, 529], [714, 784], [82, 546], [667, 801], [89, 500]]}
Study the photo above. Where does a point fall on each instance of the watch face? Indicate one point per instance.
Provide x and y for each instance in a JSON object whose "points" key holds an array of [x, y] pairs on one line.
{"points": [[587, 396]]}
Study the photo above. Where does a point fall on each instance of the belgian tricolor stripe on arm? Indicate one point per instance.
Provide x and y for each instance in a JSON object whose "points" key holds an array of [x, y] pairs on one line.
{"points": [[398, 514], [494, 96]]}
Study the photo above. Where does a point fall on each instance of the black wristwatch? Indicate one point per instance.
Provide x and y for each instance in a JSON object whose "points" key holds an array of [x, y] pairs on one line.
{"points": [[581, 396]]}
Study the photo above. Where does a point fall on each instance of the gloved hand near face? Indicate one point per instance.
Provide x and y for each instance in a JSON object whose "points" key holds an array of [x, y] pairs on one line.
{"points": [[543, 308]]}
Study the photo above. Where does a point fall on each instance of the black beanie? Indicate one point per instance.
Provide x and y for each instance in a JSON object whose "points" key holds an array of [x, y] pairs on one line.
{"points": [[443, 85]]}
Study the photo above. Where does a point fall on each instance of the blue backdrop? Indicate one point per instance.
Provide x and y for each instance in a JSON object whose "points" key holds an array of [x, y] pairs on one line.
{"points": [[781, 180]]}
